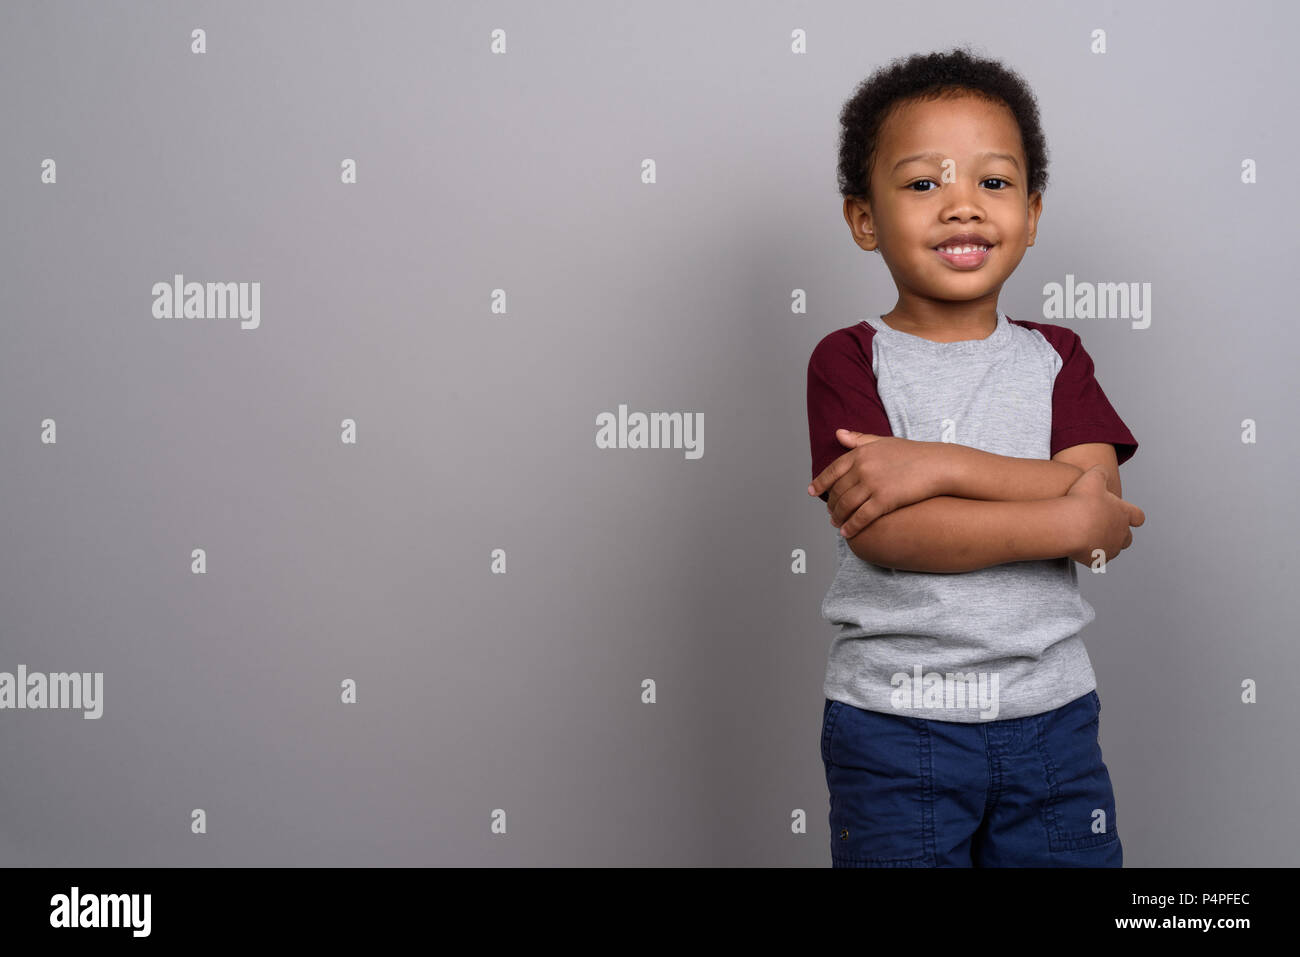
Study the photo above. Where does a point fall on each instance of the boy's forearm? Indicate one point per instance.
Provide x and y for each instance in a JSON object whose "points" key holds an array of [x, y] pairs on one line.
{"points": [[951, 534], [975, 474]]}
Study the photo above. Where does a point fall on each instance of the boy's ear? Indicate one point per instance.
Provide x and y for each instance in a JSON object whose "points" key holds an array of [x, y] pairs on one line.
{"points": [[1035, 210], [857, 213]]}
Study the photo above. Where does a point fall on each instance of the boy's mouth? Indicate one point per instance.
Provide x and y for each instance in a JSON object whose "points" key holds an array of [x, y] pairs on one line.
{"points": [[964, 255]]}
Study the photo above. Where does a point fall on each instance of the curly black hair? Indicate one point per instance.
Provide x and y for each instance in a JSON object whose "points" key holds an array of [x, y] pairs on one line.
{"points": [[929, 76]]}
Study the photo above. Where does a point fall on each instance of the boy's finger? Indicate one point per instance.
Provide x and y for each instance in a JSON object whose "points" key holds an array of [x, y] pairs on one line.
{"points": [[827, 477]]}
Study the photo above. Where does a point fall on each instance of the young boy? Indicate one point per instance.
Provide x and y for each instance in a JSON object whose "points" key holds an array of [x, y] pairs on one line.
{"points": [[968, 460]]}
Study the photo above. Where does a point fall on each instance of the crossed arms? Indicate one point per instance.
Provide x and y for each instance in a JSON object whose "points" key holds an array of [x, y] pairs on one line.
{"points": [[967, 509]]}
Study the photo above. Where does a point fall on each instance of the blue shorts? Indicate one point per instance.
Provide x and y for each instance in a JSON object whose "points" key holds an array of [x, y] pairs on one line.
{"points": [[1024, 792]]}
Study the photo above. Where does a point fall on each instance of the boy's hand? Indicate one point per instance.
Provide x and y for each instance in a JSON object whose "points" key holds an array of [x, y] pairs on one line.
{"points": [[1104, 516], [879, 474]]}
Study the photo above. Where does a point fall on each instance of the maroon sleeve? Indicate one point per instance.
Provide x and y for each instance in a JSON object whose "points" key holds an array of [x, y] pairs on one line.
{"points": [[842, 395], [1080, 410]]}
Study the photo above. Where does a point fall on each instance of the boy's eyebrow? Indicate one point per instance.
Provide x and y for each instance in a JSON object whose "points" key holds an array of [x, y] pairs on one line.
{"points": [[939, 156]]}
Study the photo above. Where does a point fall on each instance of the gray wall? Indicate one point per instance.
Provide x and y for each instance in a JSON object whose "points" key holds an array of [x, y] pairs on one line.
{"points": [[476, 430]]}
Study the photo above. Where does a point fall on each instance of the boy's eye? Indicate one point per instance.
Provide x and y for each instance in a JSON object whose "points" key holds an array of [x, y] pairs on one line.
{"points": [[990, 179]]}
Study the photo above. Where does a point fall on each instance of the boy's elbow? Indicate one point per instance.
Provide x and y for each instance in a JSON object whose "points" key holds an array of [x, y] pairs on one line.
{"points": [[868, 547]]}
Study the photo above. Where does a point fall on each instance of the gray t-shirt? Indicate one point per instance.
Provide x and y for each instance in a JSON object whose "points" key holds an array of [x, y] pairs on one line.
{"points": [[996, 643]]}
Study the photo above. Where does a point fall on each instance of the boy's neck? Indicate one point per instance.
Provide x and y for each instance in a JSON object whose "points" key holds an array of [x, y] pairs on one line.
{"points": [[945, 328]]}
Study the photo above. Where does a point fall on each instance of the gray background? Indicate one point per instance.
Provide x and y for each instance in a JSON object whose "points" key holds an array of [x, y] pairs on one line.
{"points": [[522, 691]]}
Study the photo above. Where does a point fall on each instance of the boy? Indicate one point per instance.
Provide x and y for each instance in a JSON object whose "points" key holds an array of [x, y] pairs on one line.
{"points": [[968, 459]]}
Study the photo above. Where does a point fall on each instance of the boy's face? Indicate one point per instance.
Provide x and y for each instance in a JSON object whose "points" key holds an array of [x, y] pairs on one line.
{"points": [[921, 203]]}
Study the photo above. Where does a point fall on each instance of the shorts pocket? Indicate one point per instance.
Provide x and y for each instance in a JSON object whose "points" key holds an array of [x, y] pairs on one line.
{"points": [[828, 722], [881, 795], [1080, 808]]}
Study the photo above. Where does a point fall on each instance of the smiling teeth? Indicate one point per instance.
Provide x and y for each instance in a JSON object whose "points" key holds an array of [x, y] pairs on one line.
{"points": [[957, 250]]}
